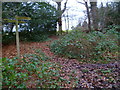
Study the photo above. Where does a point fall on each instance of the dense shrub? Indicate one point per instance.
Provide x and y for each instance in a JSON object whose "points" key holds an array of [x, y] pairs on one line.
{"points": [[92, 46], [8, 39], [36, 36], [43, 20], [43, 15], [112, 27]]}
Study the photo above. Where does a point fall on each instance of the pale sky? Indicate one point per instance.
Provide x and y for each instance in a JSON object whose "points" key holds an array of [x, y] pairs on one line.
{"points": [[75, 11]]}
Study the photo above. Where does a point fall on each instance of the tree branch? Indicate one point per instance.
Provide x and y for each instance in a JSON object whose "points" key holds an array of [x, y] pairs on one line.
{"points": [[64, 6], [80, 2]]}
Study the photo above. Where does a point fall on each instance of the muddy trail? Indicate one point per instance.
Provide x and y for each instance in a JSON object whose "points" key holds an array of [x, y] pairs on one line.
{"points": [[88, 75]]}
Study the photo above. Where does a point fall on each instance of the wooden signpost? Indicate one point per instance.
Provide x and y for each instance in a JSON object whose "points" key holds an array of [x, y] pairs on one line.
{"points": [[17, 21]]}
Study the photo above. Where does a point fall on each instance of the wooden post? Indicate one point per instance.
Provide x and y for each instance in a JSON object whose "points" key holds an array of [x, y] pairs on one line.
{"points": [[17, 38], [16, 21]]}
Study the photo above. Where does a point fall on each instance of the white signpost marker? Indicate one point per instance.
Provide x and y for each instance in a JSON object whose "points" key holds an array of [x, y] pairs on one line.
{"points": [[16, 21]]}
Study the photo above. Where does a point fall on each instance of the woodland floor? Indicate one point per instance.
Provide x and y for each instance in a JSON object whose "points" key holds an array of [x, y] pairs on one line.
{"points": [[89, 75]]}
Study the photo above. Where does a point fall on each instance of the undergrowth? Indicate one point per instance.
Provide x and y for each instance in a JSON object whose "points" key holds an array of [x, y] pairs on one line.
{"points": [[88, 47], [17, 73]]}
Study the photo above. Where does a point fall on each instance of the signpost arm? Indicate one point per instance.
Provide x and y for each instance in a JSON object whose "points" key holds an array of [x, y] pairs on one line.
{"points": [[17, 38]]}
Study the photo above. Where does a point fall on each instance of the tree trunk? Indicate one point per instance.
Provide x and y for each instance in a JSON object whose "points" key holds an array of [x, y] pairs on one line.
{"points": [[101, 16], [60, 12], [60, 25], [59, 17], [67, 21], [94, 14], [88, 15]]}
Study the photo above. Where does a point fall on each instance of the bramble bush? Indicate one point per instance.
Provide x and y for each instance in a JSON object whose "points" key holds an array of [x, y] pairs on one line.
{"points": [[94, 46]]}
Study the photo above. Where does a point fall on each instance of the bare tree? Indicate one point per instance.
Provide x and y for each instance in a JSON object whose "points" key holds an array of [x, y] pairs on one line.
{"points": [[94, 14], [88, 13], [60, 12], [102, 16]]}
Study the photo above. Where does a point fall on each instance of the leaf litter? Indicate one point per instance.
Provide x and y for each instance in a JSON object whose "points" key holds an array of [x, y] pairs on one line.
{"points": [[86, 75]]}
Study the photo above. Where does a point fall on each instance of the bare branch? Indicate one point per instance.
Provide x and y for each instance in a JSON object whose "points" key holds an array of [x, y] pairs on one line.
{"points": [[80, 2], [65, 4], [88, 13]]}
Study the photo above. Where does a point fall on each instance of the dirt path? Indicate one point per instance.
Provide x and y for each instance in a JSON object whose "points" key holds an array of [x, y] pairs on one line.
{"points": [[88, 75]]}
